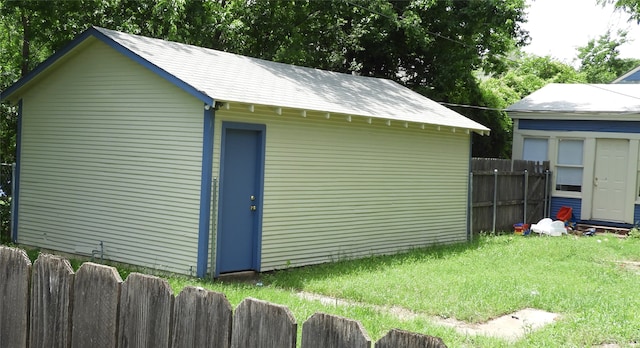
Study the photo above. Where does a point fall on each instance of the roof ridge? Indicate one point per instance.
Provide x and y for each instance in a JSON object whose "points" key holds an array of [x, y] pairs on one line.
{"points": [[159, 40], [214, 75]]}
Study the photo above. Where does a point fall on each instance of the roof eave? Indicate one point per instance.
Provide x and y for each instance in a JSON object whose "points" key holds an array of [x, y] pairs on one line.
{"points": [[631, 115], [11, 92], [279, 110]]}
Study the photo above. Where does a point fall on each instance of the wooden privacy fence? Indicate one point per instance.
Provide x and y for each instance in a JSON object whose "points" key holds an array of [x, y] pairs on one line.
{"points": [[48, 305], [506, 192]]}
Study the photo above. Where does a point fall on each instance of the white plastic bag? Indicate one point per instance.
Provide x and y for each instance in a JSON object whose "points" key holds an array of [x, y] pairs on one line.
{"points": [[549, 227]]}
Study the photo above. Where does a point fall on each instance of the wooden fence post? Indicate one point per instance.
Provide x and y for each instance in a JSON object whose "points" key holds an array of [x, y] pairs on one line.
{"points": [[15, 269], [259, 324], [330, 331], [51, 291], [146, 303], [96, 293], [201, 318], [405, 339]]}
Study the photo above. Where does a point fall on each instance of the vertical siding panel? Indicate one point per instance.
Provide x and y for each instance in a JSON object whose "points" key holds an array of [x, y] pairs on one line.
{"points": [[337, 189], [111, 152]]}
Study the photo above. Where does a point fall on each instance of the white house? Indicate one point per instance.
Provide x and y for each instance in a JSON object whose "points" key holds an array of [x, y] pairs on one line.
{"points": [[193, 160], [590, 133]]}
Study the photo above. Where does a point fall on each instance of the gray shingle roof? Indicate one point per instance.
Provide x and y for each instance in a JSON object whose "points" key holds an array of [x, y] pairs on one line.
{"points": [[582, 98], [230, 77]]}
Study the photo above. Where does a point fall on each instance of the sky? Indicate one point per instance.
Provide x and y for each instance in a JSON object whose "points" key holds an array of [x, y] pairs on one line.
{"points": [[558, 27]]}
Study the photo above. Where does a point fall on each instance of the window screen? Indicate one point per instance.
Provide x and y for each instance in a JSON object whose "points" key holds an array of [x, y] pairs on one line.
{"points": [[569, 167], [535, 149]]}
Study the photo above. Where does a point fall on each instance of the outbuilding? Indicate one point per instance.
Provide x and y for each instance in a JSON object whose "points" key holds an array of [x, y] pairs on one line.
{"points": [[590, 134], [198, 161]]}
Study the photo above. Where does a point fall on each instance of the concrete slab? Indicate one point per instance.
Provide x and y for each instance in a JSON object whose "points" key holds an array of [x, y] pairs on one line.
{"points": [[510, 327]]}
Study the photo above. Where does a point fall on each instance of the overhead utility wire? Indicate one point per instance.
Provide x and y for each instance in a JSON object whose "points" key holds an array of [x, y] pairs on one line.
{"points": [[472, 106], [472, 47]]}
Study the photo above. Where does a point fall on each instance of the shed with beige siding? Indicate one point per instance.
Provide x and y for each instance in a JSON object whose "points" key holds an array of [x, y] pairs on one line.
{"points": [[197, 161]]}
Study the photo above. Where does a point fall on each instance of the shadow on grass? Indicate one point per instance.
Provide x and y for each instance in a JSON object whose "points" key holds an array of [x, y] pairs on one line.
{"points": [[295, 277]]}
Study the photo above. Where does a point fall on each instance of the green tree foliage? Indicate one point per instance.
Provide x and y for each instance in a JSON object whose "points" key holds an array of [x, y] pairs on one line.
{"points": [[632, 7], [530, 73], [431, 46], [600, 61], [527, 73], [9, 72]]}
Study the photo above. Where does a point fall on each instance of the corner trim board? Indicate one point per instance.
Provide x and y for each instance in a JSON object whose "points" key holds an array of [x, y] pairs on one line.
{"points": [[204, 219], [15, 195]]}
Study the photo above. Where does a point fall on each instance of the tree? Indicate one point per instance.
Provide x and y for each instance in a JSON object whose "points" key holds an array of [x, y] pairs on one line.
{"points": [[433, 47], [599, 59], [632, 7], [526, 75]]}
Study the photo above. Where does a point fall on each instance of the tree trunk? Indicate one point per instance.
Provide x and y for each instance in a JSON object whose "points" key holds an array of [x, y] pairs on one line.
{"points": [[25, 43]]}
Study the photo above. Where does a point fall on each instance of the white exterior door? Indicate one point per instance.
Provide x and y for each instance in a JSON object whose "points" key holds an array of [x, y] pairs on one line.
{"points": [[610, 179]]}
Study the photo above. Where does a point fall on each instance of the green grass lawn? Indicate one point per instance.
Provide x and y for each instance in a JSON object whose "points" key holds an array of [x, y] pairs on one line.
{"points": [[576, 277], [579, 278]]}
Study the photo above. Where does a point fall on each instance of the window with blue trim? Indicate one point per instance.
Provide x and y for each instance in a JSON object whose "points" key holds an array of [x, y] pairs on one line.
{"points": [[569, 166]]}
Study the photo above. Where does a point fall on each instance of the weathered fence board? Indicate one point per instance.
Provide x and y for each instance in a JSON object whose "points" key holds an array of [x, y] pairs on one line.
{"points": [[15, 269], [507, 165], [400, 338], [260, 324], [202, 318], [96, 296], [145, 312], [330, 331], [504, 191], [51, 290], [94, 308]]}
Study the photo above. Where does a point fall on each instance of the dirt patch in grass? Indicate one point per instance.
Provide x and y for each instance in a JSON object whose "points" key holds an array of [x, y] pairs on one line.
{"points": [[510, 327], [633, 266]]}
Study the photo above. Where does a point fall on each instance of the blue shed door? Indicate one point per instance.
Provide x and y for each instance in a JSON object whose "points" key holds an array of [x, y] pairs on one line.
{"points": [[238, 247]]}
